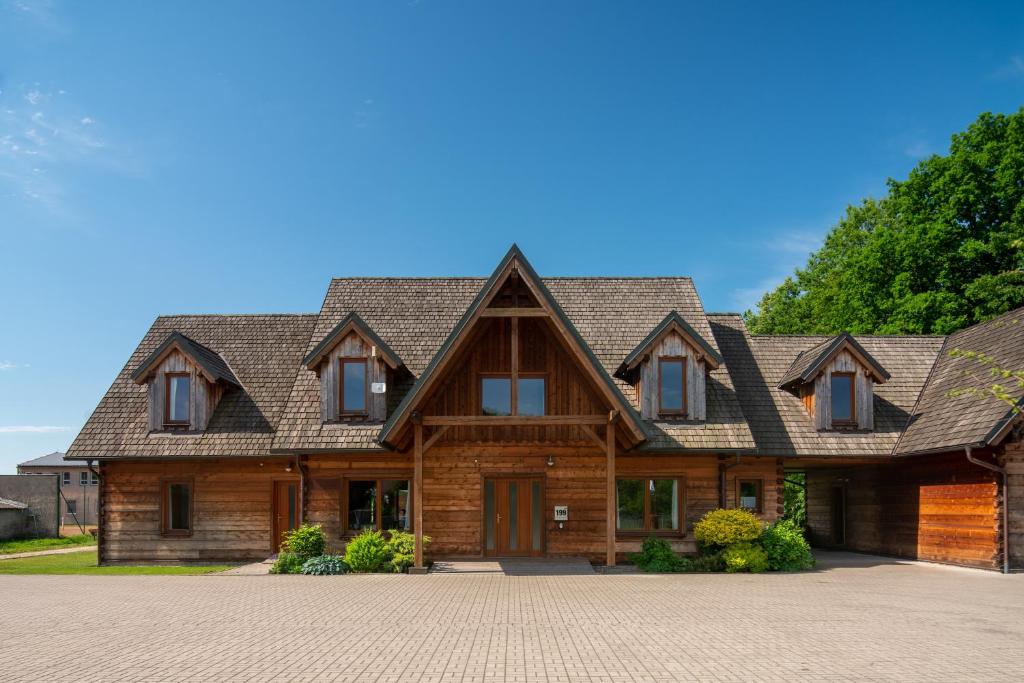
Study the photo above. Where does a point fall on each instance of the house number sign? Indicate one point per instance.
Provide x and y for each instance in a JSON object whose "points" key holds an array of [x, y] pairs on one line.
{"points": [[561, 513]]}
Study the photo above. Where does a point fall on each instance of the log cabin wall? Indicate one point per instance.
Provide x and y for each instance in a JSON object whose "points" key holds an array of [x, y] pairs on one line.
{"points": [[864, 384], [203, 396], [231, 510], [352, 346], [1013, 460], [673, 345], [938, 508]]}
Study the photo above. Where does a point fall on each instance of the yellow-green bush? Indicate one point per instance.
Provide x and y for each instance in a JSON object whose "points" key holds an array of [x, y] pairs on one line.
{"points": [[719, 529], [745, 557]]}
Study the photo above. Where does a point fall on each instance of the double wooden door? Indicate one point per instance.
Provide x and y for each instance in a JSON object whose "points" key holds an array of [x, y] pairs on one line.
{"points": [[285, 512], [513, 516]]}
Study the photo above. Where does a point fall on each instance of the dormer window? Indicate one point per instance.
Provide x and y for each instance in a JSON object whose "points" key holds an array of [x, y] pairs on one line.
{"points": [[353, 398], [176, 413], [671, 385], [844, 410]]}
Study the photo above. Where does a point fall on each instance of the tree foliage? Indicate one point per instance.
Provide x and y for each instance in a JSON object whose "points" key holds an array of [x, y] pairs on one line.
{"points": [[944, 248]]}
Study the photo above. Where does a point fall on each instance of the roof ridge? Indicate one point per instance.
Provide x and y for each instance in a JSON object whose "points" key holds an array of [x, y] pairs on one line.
{"points": [[236, 315], [410, 278]]}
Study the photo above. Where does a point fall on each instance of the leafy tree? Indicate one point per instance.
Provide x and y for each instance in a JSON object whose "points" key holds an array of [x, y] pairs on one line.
{"points": [[944, 248]]}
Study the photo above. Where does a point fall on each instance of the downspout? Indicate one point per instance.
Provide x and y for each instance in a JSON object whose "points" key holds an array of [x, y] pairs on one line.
{"points": [[722, 468], [1006, 505], [302, 490]]}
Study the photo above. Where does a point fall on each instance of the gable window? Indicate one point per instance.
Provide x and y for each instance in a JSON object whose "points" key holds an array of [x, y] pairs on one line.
{"points": [[71, 506], [646, 506], [176, 508], [496, 395], [65, 479], [352, 399], [530, 396], [844, 409], [749, 494], [672, 385], [383, 504], [176, 400], [83, 478]]}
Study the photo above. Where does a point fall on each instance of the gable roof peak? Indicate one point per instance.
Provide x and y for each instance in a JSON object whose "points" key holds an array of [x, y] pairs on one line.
{"points": [[671, 322], [210, 363], [810, 362], [351, 323]]}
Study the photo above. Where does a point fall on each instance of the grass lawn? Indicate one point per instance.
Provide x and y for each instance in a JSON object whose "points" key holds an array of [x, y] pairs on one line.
{"points": [[27, 545], [85, 563]]}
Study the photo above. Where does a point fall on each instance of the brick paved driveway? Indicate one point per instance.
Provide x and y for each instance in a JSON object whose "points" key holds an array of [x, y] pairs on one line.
{"points": [[876, 621]]}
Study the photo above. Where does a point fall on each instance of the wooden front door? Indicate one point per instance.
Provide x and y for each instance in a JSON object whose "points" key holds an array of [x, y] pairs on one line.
{"points": [[286, 510], [513, 516]]}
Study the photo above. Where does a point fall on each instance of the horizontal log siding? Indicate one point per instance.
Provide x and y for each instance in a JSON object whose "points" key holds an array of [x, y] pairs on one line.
{"points": [[936, 508], [1014, 462], [231, 510]]}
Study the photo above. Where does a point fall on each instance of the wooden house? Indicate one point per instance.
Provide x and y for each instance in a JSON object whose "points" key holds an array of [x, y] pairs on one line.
{"points": [[509, 416]]}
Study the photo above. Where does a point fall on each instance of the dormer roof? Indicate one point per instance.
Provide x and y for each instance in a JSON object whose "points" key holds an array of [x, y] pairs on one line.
{"points": [[210, 363], [351, 323], [673, 322], [810, 362]]}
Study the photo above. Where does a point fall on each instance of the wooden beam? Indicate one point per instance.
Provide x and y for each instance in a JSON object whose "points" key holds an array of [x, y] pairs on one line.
{"points": [[515, 365], [417, 495], [610, 526], [511, 420], [434, 436], [513, 313], [592, 433]]}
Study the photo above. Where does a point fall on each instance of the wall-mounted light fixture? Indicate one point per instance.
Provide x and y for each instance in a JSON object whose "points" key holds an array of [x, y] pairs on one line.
{"points": [[551, 461], [288, 467]]}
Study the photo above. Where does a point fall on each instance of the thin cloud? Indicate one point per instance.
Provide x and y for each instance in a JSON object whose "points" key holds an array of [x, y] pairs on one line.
{"points": [[32, 429], [919, 149], [8, 365], [1011, 70], [40, 14]]}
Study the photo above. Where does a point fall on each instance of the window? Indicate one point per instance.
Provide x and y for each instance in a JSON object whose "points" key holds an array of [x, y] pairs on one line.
{"points": [[83, 478], [672, 386], [65, 478], [176, 513], [377, 504], [646, 506], [748, 494], [176, 400], [496, 395], [352, 399], [93, 479], [530, 396], [71, 506], [843, 404]]}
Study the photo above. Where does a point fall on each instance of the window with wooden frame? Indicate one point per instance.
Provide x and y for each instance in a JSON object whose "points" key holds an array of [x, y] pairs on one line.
{"points": [[672, 385], [353, 387], [376, 503], [844, 398], [176, 506], [653, 505], [750, 494], [530, 395], [177, 386]]}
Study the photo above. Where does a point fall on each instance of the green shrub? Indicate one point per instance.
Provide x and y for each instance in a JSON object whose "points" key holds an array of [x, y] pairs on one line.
{"points": [[656, 555], [786, 547], [287, 563], [745, 557], [719, 529], [402, 545], [706, 563], [324, 565], [368, 552], [307, 541]]}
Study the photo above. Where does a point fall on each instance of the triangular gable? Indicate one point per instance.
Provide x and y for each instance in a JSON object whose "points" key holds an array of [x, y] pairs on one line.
{"points": [[513, 260], [351, 323], [210, 363], [809, 363], [673, 322]]}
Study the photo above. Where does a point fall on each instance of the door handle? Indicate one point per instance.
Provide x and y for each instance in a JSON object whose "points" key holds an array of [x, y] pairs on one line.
{"points": [[499, 518]]}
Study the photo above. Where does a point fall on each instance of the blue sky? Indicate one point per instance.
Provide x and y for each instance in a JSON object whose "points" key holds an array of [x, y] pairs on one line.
{"points": [[234, 156]]}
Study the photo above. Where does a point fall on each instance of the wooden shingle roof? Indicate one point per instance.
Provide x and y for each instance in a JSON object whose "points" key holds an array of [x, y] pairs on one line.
{"points": [[808, 363], [210, 363]]}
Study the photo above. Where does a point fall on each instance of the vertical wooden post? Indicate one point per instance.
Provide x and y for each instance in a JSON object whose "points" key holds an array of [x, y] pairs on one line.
{"points": [[515, 366], [610, 530], [417, 489]]}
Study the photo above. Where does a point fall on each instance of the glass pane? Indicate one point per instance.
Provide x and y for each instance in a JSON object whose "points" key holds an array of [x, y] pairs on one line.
{"points": [[178, 502], [362, 505], [748, 495], [178, 399], [497, 396], [664, 504], [489, 512], [394, 504], [841, 406], [629, 503], [537, 518], [531, 396], [291, 506], [354, 388], [671, 385], [513, 515]]}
